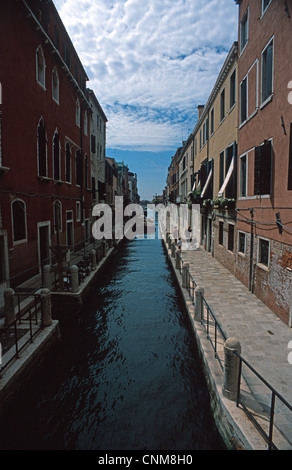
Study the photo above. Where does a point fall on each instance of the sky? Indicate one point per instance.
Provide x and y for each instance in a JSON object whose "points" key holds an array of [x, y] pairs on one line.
{"points": [[150, 64]]}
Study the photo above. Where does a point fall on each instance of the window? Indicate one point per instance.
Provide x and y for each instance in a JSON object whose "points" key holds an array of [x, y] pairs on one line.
{"points": [[290, 161], [78, 211], [68, 176], [264, 252], [241, 242], [57, 216], [55, 85], [263, 169], [244, 31], [212, 121], [243, 100], [265, 4], [220, 233], [230, 237], [19, 221], [78, 113], [232, 89], [78, 168], [243, 176], [267, 71], [93, 145], [42, 148], [40, 67], [56, 156], [222, 105], [221, 169]]}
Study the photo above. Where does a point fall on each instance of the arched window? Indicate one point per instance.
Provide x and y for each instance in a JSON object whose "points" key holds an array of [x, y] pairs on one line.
{"points": [[42, 148], [78, 168], [40, 67], [19, 221], [57, 216], [56, 156], [55, 85], [78, 113], [68, 176]]}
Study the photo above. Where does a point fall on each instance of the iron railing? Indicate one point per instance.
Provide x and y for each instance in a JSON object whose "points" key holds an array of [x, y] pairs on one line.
{"points": [[30, 318], [217, 338]]}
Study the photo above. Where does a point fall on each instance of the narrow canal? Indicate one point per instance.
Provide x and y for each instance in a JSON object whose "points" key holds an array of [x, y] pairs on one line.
{"points": [[127, 375]]}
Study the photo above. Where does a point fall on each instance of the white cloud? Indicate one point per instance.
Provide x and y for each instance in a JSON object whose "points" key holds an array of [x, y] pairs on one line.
{"points": [[160, 57]]}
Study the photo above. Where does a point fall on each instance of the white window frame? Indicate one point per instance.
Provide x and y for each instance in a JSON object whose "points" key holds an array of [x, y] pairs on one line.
{"points": [[268, 99], [262, 265], [246, 14], [234, 245], [78, 112], [41, 82], [241, 123], [55, 85], [46, 139], [53, 157], [78, 211], [240, 173], [54, 216], [265, 9], [240, 232]]}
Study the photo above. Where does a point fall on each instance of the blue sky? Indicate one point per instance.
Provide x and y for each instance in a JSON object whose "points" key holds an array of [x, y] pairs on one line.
{"points": [[150, 64]]}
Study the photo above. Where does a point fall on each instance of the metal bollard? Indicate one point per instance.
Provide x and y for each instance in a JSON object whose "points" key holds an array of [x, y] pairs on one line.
{"points": [[231, 368], [46, 307], [199, 292], [9, 307], [74, 278]]}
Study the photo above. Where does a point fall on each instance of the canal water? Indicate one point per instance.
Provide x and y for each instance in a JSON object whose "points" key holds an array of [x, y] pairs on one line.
{"points": [[127, 375]]}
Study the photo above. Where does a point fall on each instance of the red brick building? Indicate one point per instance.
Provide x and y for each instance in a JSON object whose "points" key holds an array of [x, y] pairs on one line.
{"points": [[45, 174], [264, 225]]}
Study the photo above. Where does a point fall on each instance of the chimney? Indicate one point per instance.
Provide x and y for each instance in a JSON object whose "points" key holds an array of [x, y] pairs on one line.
{"points": [[200, 110]]}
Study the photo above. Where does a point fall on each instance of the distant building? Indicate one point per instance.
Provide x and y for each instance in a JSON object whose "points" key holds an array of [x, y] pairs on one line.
{"points": [[97, 126], [133, 188]]}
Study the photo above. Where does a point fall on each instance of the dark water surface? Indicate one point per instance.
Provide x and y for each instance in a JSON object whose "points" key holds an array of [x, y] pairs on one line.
{"points": [[127, 375]]}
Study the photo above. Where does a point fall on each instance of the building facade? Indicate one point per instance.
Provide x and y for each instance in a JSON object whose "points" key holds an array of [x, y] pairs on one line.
{"points": [[45, 172], [264, 246]]}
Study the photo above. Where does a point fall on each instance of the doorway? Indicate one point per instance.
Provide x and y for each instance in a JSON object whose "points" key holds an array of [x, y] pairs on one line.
{"points": [[44, 241]]}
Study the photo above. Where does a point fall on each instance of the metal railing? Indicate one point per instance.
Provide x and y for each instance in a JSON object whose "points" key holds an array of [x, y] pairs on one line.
{"points": [[217, 338], [31, 320], [267, 435]]}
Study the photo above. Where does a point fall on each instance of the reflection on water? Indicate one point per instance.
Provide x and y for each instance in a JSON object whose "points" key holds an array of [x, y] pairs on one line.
{"points": [[127, 375]]}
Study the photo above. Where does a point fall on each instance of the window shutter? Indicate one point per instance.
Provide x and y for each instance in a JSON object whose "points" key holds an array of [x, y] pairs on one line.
{"points": [[263, 168]]}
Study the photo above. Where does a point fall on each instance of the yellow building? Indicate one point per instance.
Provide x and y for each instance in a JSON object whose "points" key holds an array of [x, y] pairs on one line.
{"points": [[215, 156]]}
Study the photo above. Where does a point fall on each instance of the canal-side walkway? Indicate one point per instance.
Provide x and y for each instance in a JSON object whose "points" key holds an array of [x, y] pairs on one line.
{"points": [[263, 337]]}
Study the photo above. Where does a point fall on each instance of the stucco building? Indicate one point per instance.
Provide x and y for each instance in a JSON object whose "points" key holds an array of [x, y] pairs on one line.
{"points": [[264, 241], [45, 172]]}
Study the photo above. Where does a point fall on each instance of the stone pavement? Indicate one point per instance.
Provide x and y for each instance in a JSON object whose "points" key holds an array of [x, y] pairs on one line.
{"points": [[263, 336]]}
